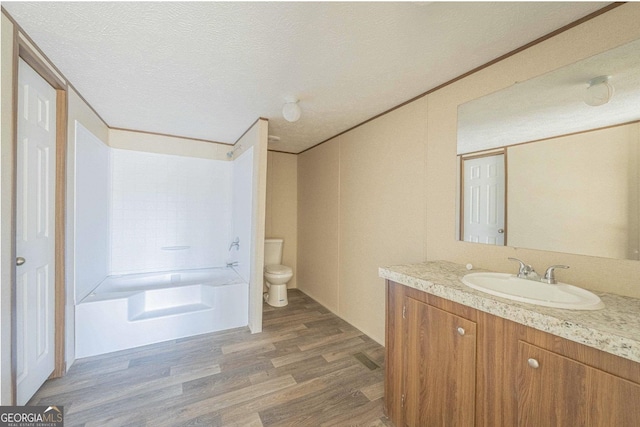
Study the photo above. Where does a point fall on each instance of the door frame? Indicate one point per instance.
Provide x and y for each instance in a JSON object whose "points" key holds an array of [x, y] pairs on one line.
{"points": [[478, 155], [26, 50]]}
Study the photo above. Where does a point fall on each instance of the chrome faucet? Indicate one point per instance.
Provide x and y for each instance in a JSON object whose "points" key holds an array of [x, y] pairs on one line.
{"points": [[549, 275], [526, 271], [235, 243]]}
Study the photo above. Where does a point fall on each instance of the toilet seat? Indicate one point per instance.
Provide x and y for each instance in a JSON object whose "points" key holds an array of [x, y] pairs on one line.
{"points": [[277, 269]]}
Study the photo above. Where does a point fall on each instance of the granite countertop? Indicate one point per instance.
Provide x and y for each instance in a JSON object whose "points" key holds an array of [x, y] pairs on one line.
{"points": [[614, 329]]}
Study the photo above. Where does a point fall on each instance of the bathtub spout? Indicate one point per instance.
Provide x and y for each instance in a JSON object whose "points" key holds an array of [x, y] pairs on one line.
{"points": [[232, 264]]}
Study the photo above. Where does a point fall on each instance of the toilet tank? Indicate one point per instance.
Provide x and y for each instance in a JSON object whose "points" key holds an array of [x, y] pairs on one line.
{"points": [[273, 251]]}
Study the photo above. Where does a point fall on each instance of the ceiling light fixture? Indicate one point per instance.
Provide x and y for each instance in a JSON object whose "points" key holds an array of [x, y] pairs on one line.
{"points": [[599, 91], [273, 138], [291, 110]]}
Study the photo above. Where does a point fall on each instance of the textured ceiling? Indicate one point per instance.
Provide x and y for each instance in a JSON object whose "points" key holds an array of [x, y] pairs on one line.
{"points": [[209, 70], [553, 104]]}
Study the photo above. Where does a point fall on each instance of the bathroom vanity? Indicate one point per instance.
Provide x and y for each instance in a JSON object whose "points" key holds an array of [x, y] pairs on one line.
{"points": [[459, 357]]}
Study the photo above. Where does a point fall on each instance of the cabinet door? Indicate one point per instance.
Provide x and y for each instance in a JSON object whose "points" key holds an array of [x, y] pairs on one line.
{"points": [[440, 367], [554, 390]]}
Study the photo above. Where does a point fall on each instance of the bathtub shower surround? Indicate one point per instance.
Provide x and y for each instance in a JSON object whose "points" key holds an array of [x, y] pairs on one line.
{"points": [[132, 310], [169, 212], [171, 268]]}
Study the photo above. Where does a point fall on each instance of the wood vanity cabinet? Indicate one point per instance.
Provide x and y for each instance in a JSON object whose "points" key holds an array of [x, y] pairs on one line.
{"points": [[431, 360], [494, 372], [440, 366]]}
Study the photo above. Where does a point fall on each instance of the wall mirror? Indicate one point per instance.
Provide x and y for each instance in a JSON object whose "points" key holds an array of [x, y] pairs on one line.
{"points": [[553, 163]]}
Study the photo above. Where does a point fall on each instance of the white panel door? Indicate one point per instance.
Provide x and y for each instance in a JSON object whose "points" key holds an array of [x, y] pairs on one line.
{"points": [[35, 232], [484, 204]]}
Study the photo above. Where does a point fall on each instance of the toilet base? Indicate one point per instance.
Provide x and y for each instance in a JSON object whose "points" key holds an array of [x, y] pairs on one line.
{"points": [[277, 295]]}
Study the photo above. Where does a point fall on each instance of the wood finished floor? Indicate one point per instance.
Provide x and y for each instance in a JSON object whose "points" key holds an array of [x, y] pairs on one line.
{"points": [[308, 368]]}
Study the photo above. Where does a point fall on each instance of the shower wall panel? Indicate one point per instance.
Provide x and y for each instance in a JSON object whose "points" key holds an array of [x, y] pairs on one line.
{"points": [[169, 212], [243, 211], [90, 226]]}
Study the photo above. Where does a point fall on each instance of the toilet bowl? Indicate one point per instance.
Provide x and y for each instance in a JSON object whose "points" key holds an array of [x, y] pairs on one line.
{"points": [[276, 275], [276, 278]]}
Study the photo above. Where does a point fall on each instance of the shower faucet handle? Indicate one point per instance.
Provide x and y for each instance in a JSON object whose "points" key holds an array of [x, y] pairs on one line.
{"points": [[236, 243]]}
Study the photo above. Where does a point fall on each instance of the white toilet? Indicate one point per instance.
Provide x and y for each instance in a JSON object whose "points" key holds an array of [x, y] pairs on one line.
{"points": [[276, 275]]}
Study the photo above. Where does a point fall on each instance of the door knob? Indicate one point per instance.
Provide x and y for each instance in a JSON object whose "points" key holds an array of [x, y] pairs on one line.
{"points": [[500, 230], [20, 260]]}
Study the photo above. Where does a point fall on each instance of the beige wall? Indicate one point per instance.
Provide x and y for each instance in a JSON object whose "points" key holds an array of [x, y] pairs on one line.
{"points": [[282, 206], [362, 205], [318, 223], [367, 199], [382, 210], [559, 198], [6, 210]]}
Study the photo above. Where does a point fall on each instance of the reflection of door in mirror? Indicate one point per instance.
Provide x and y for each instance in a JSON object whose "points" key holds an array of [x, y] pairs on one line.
{"points": [[483, 180]]}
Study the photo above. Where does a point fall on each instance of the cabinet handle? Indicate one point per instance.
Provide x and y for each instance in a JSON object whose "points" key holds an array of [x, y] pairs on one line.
{"points": [[533, 363], [460, 330]]}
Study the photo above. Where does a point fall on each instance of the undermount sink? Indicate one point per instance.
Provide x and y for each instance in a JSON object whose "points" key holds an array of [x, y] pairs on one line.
{"points": [[560, 295]]}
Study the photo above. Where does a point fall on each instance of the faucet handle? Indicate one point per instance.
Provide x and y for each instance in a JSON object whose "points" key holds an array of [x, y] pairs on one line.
{"points": [[524, 269], [549, 275]]}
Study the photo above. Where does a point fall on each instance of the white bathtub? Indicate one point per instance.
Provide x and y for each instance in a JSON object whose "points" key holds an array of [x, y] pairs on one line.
{"points": [[138, 309]]}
